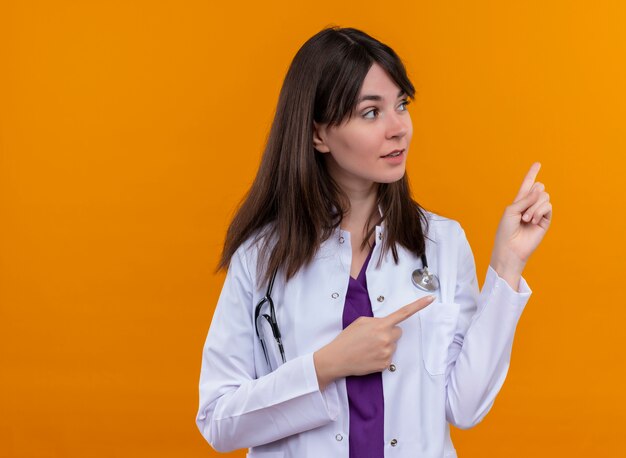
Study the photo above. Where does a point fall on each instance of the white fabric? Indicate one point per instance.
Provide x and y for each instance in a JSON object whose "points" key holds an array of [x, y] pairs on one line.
{"points": [[451, 359]]}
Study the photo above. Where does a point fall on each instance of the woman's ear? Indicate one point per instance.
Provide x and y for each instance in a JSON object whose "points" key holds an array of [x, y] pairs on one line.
{"points": [[319, 134]]}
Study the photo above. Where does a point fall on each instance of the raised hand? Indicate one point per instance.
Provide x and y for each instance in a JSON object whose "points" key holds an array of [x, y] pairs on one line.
{"points": [[523, 225], [367, 345]]}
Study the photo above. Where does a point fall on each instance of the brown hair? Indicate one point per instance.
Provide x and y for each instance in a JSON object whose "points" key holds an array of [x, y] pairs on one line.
{"points": [[294, 204]]}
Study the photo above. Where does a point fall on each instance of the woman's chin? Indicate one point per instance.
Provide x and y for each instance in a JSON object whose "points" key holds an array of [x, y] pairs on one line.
{"points": [[392, 177]]}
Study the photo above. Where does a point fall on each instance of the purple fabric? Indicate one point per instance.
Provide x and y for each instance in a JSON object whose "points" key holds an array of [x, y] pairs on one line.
{"points": [[365, 393]]}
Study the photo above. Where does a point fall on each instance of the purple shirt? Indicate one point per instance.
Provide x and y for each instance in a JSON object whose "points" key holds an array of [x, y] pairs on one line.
{"points": [[365, 393]]}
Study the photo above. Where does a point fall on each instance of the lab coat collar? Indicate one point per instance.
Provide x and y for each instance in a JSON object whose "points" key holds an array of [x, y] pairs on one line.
{"points": [[380, 228]]}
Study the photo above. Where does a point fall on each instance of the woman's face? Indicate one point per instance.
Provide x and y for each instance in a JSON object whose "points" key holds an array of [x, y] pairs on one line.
{"points": [[357, 150]]}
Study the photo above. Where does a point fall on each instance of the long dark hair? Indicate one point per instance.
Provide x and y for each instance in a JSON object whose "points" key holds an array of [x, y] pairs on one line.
{"points": [[294, 204]]}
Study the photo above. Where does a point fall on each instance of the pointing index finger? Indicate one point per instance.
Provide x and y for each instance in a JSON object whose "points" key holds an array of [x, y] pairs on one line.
{"points": [[408, 310], [529, 180]]}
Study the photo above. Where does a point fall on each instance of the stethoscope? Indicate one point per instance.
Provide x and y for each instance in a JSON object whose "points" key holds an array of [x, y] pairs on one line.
{"points": [[259, 320], [421, 278]]}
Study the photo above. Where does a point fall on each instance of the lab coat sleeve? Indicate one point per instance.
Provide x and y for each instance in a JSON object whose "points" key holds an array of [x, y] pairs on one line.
{"points": [[237, 409], [478, 358]]}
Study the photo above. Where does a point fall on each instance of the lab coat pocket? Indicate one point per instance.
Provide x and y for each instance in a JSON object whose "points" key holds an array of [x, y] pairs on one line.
{"points": [[438, 324]]}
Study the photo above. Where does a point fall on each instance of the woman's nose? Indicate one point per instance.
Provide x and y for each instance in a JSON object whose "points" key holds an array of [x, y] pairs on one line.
{"points": [[397, 125]]}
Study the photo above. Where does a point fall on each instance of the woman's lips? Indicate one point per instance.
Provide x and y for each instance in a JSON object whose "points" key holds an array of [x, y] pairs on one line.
{"points": [[393, 157]]}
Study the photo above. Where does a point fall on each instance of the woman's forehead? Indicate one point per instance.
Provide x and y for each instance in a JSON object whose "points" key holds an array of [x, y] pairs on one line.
{"points": [[378, 85]]}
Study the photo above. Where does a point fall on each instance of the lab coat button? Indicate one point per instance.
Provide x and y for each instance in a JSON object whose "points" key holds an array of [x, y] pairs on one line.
{"points": [[341, 240], [380, 298], [392, 368], [335, 295], [339, 437], [393, 442], [380, 236]]}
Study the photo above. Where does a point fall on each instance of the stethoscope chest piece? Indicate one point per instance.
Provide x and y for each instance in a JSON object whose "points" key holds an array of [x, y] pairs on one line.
{"points": [[423, 279]]}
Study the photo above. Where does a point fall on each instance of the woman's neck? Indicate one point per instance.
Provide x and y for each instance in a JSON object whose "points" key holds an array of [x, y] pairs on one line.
{"points": [[362, 195], [363, 208]]}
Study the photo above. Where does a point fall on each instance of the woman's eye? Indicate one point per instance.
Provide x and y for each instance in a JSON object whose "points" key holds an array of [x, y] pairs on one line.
{"points": [[375, 110], [371, 111]]}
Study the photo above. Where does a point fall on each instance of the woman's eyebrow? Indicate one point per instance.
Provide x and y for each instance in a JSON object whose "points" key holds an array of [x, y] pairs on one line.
{"points": [[376, 98]]}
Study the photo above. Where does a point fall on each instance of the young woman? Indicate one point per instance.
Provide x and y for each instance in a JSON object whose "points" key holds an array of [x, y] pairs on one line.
{"points": [[350, 323]]}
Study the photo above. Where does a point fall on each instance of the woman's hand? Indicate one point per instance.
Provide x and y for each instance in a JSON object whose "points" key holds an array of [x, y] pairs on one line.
{"points": [[522, 227], [365, 346]]}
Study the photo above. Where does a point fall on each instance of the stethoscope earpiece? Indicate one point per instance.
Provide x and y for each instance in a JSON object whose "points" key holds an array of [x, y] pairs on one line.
{"points": [[423, 279]]}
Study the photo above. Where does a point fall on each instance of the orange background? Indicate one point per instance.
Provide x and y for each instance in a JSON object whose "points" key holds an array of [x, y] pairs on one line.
{"points": [[129, 132]]}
